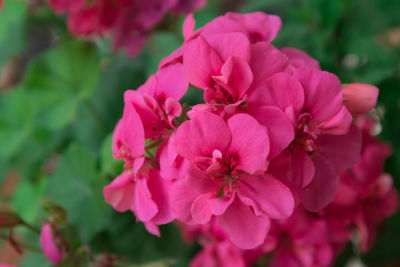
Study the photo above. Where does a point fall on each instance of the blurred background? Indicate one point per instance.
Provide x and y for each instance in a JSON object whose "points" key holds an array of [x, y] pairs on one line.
{"points": [[60, 98]]}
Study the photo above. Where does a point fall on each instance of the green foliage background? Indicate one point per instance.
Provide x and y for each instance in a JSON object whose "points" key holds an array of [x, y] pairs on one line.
{"points": [[69, 98]]}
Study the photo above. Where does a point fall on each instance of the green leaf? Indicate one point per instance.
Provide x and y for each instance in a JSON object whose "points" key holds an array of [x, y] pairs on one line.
{"points": [[109, 165], [77, 186]]}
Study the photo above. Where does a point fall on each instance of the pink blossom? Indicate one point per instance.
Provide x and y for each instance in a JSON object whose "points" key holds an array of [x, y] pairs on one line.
{"points": [[366, 194], [324, 141], [359, 98], [300, 58], [226, 178], [48, 243]]}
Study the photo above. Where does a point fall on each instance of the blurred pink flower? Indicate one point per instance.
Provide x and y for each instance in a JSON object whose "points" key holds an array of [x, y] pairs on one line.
{"points": [[48, 243]]}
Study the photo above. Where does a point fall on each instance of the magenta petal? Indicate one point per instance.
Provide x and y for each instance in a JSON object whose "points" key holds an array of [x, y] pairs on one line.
{"points": [[300, 58], [266, 60], [200, 210], [49, 246], [219, 205], [171, 82], [250, 143], [279, 126], [321, 191], [181, 198], [342, 150], [159, 189], [203, 134], [244, 229], [188, 26], [301, 170], [152, 228], [338, 124], [143, 206], [266, 195], [230, 44], [323, 96], [119, 194], [281, 90], [238, 73], [201, 62]]}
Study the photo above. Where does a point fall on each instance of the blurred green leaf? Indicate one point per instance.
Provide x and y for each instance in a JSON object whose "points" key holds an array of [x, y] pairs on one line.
{"points": [[77, 186]]}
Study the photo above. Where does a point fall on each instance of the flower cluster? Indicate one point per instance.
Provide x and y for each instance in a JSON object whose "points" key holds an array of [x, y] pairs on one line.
{"points": [[127, 21], [313, 239], [255, 169]]}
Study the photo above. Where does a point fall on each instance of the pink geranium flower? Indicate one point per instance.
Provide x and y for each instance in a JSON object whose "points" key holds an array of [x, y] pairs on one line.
{"points": [[49, 246], [227, 179]]}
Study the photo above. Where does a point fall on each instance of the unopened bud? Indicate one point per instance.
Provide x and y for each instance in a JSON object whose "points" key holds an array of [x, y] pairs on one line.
{"points": [[49, 245], [359, 98], [57, 213]]}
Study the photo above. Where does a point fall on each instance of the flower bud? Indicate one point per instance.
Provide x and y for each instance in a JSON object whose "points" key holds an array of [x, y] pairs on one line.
{"points": [[9, 219], [359, 98], [49, 246]]}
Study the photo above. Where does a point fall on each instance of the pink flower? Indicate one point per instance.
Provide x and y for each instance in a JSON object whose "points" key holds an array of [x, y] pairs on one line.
{"points": [[227, 179], [359, 98], [48, 243], [366, 194], [300, 58], [324, 141]]}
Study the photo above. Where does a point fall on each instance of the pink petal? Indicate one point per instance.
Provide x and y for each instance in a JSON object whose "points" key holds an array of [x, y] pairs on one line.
{"points": [[159, 190], [281, 90], [200, 210], [244, 229], [119, 194], [279, 126], [230, 44], [323, 96], [360, 98], [266, 195], [250, 143], [238, 73], [260, 26], [342, 150], [188, 26], [301, 170], [48, 245], [265, 61], [321, 191], [181, 198], [219, 205], [152, 228], [203, 134], [300, 58], [201, 62], [338, 124], [143, 206], [171, 82]]}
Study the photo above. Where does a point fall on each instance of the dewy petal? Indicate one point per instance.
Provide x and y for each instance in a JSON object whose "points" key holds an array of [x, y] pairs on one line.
{"points": [[203, 134], [244, 228], [342, 150], [230, 44], [301, 169], [119, 194], [266, 195], [280, 89], [201, 62], [322, 189], [238, 73], [323, 96], [280, 127], [265, 61], [300, 58], [250, 143]]}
